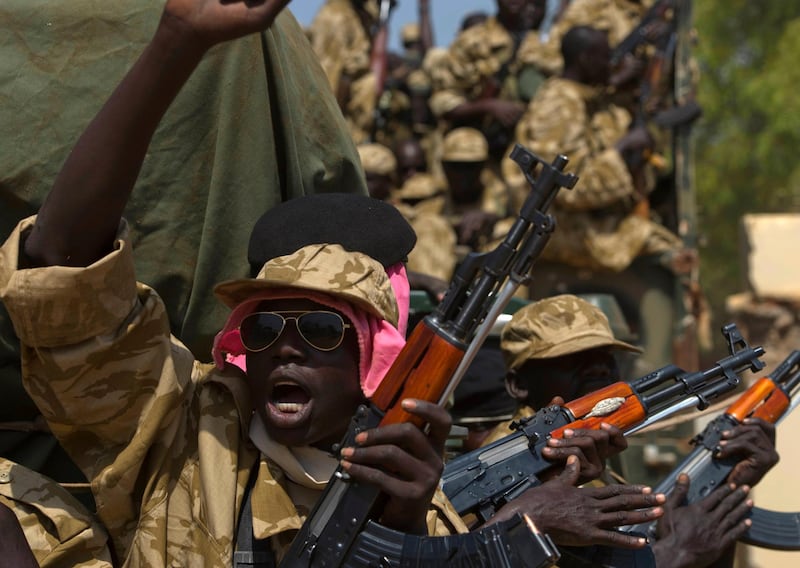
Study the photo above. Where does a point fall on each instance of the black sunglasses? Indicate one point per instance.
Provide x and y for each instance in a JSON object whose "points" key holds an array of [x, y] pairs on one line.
{"points": [[321, 329]]}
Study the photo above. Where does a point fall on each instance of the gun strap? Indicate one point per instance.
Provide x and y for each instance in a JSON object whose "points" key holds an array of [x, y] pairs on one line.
{"points": [[251, 551]]}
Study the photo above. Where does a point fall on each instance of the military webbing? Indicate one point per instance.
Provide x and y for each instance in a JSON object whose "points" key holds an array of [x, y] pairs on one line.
{"points": [[251, 551]]}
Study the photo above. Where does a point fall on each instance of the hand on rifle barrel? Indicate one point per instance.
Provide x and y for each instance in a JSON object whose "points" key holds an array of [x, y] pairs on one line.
{"points": [[404, 463], [586, 516]]}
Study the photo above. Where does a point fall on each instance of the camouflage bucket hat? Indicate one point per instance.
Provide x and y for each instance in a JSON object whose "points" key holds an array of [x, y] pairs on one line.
{"points": [[377, 159], [465, 145], [561, 325], [350, 276], [419, 186]]}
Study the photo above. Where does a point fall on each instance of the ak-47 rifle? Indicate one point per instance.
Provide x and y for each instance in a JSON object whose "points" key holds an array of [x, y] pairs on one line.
{"points": [[642, 33], [429, 367], [480, 482], [771, 398], [378, 65]]}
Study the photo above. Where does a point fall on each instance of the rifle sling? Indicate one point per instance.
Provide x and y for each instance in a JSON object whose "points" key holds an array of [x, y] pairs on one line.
{"points": [[251, 551]]}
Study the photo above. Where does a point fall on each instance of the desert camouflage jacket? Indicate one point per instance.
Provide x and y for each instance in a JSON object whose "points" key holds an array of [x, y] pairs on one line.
{"points": [[596, 226], [162, 437], [59, 530]]}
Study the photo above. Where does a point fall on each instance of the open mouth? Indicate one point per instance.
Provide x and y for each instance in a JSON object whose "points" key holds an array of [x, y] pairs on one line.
{"points": [[289, 397], [289, 404]]}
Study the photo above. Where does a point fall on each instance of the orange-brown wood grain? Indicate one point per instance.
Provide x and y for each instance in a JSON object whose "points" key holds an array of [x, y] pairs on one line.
{"points": [[583, 405], [423, 370], [629, 414], [752, 397]]}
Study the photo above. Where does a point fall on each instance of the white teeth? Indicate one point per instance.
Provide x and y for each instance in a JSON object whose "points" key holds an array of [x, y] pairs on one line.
{"points": [[289, 406], [282, 383]]}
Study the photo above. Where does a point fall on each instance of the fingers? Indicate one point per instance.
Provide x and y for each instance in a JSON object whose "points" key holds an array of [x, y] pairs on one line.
{"points": [[571, 472], [436, 416], [619, 539], [679, 492]]}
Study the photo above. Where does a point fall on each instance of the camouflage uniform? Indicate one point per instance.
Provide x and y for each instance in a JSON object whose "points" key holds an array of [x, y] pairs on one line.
{"points": [[56, 526], [617, 17], [483, 63], [163, 437], [247, 110], [343, 46], [434, 253], [468, 145], [596, 224]]}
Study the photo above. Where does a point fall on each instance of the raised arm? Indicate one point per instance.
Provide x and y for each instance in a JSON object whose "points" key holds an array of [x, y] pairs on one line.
{"points": [[79, 218]]}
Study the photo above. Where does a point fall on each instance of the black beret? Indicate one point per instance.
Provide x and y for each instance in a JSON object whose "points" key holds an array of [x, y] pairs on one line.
{"points": [[357, 222]]}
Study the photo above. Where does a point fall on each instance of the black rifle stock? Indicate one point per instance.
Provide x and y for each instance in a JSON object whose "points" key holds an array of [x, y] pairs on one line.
{"points": [[430, 366]]}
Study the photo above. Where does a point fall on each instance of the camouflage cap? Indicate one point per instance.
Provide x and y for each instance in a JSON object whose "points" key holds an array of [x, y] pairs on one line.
{"points": [[561, 325], [465, 145], [350, 276], [377, 159], [410, 32], [419, 186]]}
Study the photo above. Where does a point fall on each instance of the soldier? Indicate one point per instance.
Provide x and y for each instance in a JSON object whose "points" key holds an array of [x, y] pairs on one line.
{"points": [[616, 17], [561, 348], [478, 202], [341, 36], [565, 339], [485, 90], [598, 226], [180, 183], [173, 445]]}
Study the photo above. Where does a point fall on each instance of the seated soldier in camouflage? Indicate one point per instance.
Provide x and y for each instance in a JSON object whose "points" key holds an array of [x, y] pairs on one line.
{"points": [[599, 226], [561, 348], [168, 442]]}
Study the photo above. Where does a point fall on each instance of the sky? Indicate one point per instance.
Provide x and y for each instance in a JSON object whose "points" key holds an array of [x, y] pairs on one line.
{"points": [[445, 14]]}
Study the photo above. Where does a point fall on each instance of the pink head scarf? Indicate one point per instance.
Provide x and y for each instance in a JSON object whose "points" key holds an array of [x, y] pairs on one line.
{"points": [[379, 342]]}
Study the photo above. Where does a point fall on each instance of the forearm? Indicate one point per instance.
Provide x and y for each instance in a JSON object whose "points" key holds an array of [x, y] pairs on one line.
{"points": [[469, 110], [80, 217]]}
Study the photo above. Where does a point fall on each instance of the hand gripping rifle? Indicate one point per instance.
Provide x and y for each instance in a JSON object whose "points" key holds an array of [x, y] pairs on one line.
{"points": [[480, 482], [771, 398], [429, 367]]}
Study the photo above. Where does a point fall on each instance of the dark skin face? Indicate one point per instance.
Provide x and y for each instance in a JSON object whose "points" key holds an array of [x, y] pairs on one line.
{"points": [[410, 159], [463, 181], [379, 185], [538, 381], [595, 63], [304, 396]]}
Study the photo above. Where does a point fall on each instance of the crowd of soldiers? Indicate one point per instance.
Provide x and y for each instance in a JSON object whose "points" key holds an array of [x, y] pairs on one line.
{"points": [[435, 125], [162, 443]]}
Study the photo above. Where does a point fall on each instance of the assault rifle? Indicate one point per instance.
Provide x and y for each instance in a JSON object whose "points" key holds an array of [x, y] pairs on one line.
{"points": [[642, 33], [480, 482], [771, 398], [378, 64], [429, 367]]}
